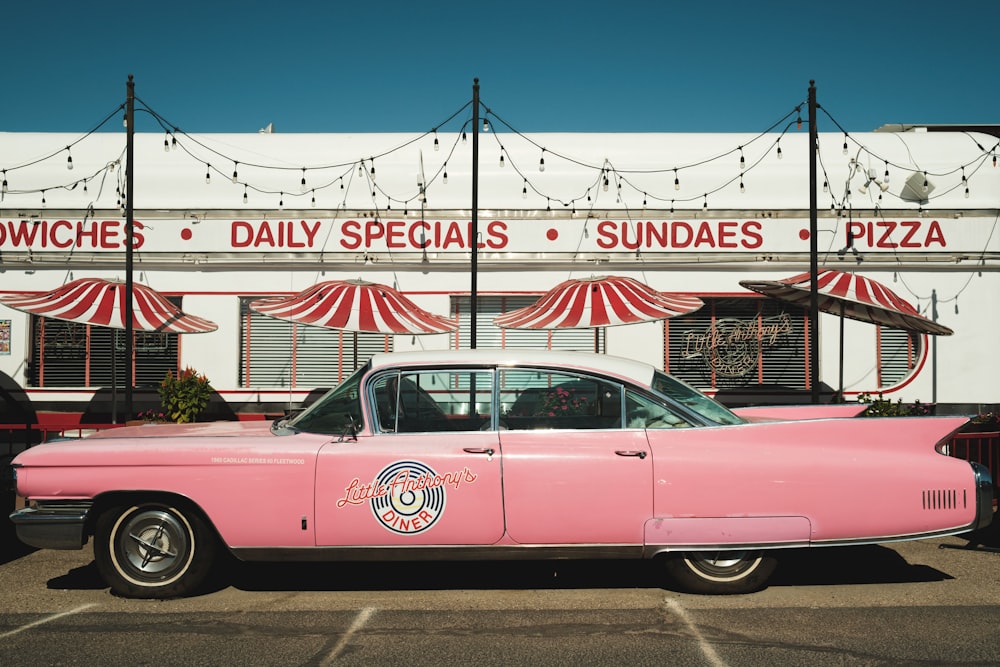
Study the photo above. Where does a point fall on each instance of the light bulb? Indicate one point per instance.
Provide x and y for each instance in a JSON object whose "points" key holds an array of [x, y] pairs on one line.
{"points": [[486, 124], [524, 190], [69, 161], [926, 184], [501, 160], [966, 193], [604, 186], [864, 188], [245, 198], [372, 172], [779, 152], [166, 143], [313, 202], [541, 164], [845, 143], [742, 187], [208, 175], [826, 186], [677, 181], [464, 139], [302, 183], [235, 174], [743, 162], [704, 205], [444, 177], [437, 144]]}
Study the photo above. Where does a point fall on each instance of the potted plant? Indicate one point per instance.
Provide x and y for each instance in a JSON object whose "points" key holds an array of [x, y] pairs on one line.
{"points": [[883, 407], [185, 396]]}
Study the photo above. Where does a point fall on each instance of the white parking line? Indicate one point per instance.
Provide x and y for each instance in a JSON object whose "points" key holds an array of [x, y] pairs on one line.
{"points": [[47, 619], [706, 648], [359, 622]]}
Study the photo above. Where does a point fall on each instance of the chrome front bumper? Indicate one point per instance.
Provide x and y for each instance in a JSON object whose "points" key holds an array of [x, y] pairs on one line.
{"points": [[53, 525]]}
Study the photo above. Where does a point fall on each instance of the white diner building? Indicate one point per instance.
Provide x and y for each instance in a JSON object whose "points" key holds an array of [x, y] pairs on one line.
{"points": [[223, 219]]}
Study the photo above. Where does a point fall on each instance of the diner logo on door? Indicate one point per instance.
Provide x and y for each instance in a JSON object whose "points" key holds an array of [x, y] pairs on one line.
{"points": [[406, 497]]}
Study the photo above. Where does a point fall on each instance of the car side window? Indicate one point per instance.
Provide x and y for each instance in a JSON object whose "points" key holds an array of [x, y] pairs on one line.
{"points": [[433, 401], [644, 412], [539, 399]]}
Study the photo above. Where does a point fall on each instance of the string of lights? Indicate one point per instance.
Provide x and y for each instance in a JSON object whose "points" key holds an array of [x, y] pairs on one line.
{"points": [[211, 158], [746, 156]]}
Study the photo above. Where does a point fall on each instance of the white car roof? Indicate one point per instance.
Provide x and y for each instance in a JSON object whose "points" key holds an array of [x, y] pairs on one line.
{"points": [[628, 369]]}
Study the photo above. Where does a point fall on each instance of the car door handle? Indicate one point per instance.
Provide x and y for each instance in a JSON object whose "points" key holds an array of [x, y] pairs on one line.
{"points": [[479, 450], [631, 452]]}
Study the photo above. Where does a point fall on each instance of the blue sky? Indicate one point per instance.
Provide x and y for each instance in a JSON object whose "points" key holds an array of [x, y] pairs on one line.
{"points": [[611, 66]]}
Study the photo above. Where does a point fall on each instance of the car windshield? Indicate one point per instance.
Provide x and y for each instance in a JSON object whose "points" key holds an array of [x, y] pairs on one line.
{"points": [[337, 412], [694, 400]]}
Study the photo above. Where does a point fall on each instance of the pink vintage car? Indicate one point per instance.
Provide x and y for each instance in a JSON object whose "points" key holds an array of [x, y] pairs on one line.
{"points": [[493, 455]]}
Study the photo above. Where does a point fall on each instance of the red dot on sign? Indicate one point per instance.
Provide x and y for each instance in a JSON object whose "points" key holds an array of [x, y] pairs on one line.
{"points": [[186, 234], [552, 234], [803, 234]]}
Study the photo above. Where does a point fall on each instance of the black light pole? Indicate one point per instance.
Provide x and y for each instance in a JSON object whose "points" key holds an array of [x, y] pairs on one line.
{"points": [[813, 251], [127, 315], [474, 241]]}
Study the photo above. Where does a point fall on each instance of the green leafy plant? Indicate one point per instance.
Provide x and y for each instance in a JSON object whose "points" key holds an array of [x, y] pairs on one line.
{"points": [[184, 397], [883, 407]]}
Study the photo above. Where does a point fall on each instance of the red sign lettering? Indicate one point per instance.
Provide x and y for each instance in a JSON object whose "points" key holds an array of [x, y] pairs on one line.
{"points": [[896, 234], [679, 234]]}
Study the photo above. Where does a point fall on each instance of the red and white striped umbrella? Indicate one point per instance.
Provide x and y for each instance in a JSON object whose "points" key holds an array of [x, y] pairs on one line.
{"points": [[355, 305], [850, 295], [101, 303], [601, 301]]}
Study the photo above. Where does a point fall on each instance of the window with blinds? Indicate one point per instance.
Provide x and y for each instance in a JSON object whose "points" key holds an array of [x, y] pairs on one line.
{"points": [[490, 336], [279, 354], [898, 352], [735, 342], [69, 354]]}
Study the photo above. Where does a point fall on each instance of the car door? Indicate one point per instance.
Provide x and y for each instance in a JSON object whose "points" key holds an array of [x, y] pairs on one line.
{"points": [[572, 473], [424, 472]]}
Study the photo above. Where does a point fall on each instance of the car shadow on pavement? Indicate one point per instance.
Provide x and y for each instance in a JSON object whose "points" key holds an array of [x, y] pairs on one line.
{"points": [[83, 578], [837, 566], [828, 566], [796, 567]]}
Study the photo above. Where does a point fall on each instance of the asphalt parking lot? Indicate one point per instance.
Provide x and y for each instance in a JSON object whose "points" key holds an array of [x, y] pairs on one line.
{"points": [[927, 602]]}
